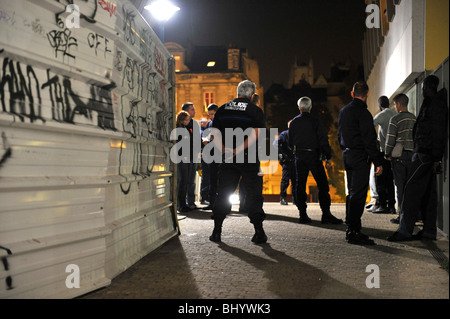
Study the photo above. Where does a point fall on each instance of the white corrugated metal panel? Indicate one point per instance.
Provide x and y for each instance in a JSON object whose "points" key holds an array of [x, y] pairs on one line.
{"points": [[85, 120]]}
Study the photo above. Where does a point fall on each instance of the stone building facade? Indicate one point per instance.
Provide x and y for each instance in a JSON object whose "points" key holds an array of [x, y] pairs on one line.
{"points": [[210, 74]]}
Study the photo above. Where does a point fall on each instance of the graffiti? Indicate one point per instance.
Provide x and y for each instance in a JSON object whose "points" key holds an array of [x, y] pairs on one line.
{"points": [[118, 61], [8, 279], [159, 62], [8, 17], [129, 26], [152, 88], [97, 41], [88, 9], [62, 41], [7, 150], [36, 27], [142, 102], [20, 87], [66, 103], [145, 46], [138, 121], [146, 86], [81, 110], [108, 6], [164, 114], [145, 114], [130, 74], [21, 94]]}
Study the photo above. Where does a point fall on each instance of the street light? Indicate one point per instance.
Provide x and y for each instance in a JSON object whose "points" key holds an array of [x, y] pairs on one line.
{"points": [[162, 10]]}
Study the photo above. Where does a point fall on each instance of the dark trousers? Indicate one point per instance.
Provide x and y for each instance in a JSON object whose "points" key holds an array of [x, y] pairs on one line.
{"points": [[186, 173], [306, 162], [385, 185], [400, 169], [191, 184], [357, 167], [229, 179], [213, 180], [420, 196], [289, 175], [205, 184]]}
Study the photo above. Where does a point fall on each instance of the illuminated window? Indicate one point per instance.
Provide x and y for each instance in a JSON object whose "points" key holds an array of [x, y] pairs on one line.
{"points": [[209, 98], [177, 63]]}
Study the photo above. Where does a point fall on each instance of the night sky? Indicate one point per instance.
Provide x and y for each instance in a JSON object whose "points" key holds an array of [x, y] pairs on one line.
{"points": [[275, 31]]}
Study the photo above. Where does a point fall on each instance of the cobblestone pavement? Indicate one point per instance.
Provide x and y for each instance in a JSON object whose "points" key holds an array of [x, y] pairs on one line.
{"points": [[311, 261]]}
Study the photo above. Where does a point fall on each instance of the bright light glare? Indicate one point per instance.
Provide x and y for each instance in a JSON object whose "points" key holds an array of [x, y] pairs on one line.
{"points": [[162, 9], [234, 199], [211, 64]]}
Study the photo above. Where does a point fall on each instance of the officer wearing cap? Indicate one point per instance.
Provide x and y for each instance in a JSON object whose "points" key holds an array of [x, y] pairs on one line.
{"points": [[309, 140], [240, 162]]}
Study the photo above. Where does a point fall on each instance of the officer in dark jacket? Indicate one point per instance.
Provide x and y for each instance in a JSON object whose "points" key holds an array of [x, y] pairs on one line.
{"points": [[430, 139], [287, 161], [240, 162], [358, 140], [308, 138]]}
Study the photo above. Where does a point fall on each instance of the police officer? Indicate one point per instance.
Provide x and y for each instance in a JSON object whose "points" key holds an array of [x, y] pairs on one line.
{"points": [[240, 163], [287, 161], [308, 138], [358, 140]]}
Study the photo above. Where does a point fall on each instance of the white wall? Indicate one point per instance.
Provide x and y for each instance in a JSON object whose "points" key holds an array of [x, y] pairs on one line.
{"points": [[401, 59], [85, 118]]}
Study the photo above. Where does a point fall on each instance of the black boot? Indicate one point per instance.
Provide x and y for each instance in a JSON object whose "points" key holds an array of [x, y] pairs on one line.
{"points": [[217, 232], [328, 218], [283, 201], [304, 219], [357, 238], [260, 236]]}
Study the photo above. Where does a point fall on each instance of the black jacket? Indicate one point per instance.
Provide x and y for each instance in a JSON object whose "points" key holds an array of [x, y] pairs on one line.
{"points": [[356, 130], [430, 130], [239, 113], [285, 152], [307, 132]]}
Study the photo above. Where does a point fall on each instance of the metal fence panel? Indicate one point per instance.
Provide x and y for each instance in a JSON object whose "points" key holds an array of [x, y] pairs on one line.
{"points": [[85, 118]]}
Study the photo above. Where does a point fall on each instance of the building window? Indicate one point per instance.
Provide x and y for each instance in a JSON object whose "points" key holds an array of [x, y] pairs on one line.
{"points": [[209, 98], [177, 63]]}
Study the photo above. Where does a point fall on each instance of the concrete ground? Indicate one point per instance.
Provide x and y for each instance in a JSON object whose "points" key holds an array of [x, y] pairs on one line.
{"points": [[311, 261]]}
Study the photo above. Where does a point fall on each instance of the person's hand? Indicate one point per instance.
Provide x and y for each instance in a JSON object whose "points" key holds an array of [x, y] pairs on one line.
{"points": [[379, 171], [328, 164]]}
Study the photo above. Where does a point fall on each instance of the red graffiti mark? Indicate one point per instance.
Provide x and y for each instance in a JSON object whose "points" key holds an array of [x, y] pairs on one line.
{"points": [[108, 6], [159, 62]]}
